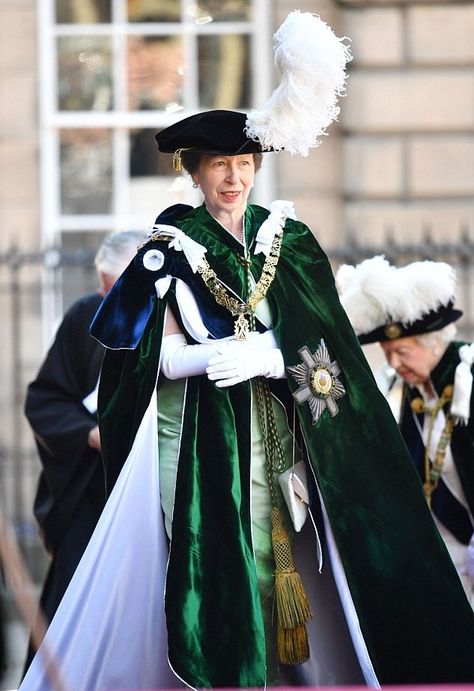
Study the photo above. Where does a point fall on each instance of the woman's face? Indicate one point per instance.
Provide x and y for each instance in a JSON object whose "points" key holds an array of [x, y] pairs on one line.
{"points": [[225, 182], [412, 360]]}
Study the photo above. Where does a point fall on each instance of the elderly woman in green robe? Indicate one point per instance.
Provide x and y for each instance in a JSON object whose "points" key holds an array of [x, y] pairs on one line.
{"points": [[235, 403]]}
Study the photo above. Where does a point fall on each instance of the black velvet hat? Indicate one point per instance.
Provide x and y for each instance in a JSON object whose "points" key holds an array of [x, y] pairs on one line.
{"points": [[312, 62], [211, 132], [433, 321]]}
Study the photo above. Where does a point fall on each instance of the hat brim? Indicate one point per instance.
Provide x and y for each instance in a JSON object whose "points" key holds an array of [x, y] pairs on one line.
{"points": [[213, 132], [433, 321]]}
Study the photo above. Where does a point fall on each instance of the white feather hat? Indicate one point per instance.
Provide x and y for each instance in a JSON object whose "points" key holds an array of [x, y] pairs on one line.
{"points": [[384, 302], [312, 61]]}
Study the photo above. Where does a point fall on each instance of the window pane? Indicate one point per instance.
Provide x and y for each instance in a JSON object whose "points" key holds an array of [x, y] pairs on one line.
{"points": [[145, 159], [155, 72], [154, 10], [82, 11], [224, 75], [224, 10], [86, 171], [153, 185], [84, 73]]}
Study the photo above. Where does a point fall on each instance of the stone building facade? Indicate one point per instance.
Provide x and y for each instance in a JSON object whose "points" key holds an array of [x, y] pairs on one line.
{"points": [[408, 159], [402, 159]]}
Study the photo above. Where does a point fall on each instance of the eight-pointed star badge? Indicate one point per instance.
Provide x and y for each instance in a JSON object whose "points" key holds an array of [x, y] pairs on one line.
{"points": [[318, 382]]}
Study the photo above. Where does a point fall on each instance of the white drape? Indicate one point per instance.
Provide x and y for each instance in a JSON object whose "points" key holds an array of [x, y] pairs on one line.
{"points": [[109, 630]]}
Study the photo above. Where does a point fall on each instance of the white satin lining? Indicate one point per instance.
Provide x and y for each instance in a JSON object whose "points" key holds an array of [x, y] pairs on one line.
{"points": [[348, 605], [190, 314], [345, 596], [109, 630], [192, 319]]}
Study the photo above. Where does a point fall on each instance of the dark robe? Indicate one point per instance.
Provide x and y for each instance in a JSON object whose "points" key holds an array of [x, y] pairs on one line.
{"points": [[444, 505], [70, 494]]}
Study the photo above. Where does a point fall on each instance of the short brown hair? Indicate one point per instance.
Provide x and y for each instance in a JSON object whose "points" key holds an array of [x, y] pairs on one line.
{"points": [[191, 160]]}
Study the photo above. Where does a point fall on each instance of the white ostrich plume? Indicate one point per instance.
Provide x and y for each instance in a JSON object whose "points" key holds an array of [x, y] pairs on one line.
{"points": [[424, 286], [366, 292], [374, 293], [312, 62]]}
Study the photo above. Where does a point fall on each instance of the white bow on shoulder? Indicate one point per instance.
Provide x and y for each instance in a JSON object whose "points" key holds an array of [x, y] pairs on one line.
{"points": [[461, 403], [153, 260], [280, 210]]}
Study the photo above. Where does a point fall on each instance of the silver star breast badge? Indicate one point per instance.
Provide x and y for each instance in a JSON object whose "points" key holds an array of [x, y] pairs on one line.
{"points": [[317, 380]]}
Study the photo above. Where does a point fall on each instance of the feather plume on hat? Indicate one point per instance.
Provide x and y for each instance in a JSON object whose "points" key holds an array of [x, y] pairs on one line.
{"points": [[312, 62], [428, 285], [418, 298], [366, 291]]}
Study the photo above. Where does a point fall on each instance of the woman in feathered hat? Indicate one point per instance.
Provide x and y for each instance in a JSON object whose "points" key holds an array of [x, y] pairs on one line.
{"points": [[410, 312], [227, 341]]}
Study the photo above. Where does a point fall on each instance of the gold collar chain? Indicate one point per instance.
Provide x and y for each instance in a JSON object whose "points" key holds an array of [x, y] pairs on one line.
{"points": [[244, 311], [433, 470]]}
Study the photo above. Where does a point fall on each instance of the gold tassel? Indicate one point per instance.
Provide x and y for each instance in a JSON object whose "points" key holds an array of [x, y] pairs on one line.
{"points": [[292, 606], [292, 645], [177, 160]]}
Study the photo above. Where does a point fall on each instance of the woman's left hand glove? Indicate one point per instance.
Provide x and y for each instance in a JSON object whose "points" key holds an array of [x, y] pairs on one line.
{"points": [[245, 360]]}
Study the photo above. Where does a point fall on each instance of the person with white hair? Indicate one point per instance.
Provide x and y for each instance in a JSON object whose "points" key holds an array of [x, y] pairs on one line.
{"points": [[428, 383], [61, 406]]}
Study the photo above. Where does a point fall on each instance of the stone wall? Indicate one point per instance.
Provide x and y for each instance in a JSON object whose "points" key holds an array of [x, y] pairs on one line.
{"points": [[19, 226], [314, 183], [408, 155], [18, 124]]}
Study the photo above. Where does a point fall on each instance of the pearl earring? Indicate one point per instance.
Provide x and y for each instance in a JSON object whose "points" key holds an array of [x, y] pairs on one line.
{"points": [[195, 185]]}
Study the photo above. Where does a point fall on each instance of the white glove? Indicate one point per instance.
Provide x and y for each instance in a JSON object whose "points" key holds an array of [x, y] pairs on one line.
{"points": [[258, 341], [469, 565], [180, 360], [256, 357]]}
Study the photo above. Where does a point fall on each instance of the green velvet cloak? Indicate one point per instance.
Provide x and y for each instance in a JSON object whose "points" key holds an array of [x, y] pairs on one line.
{"points": [[413, 614]]}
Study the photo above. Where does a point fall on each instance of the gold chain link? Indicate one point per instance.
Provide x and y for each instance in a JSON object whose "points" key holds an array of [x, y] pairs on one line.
{"points": [[434, 469], [234, 305]]}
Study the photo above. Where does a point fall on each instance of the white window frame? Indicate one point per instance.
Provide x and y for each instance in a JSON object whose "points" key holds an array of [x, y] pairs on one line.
{"points": [[52, 222]]}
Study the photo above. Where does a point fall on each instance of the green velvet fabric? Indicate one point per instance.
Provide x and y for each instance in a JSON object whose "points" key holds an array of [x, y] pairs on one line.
{"points": [[215, 626], [127, 382], [414, 616], [212, 591], [415, 619]]}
